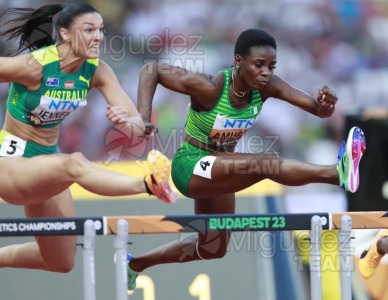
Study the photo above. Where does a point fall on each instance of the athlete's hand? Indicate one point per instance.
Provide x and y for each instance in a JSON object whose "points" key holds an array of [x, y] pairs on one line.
{"points": [[150, 130], [326, 97], [116, 114], [326, 101]]}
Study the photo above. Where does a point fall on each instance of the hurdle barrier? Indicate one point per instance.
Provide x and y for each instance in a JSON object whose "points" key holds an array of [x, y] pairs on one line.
{"points": [[88, 260], [122, 226]]}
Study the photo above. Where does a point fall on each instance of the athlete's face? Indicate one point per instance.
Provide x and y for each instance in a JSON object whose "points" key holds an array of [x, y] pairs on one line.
{"points": [[85, 35], [257, 67]]}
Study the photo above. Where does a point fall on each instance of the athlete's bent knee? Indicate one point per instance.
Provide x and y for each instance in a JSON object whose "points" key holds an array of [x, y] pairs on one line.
{"points": [[75, 164], [206, 253], [62, 265]]}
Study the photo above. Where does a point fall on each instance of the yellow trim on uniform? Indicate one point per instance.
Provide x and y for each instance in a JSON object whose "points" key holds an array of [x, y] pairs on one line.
{"points": [[50, 54], [264, 188], [46, 55], [3, 133], [93, 61]]}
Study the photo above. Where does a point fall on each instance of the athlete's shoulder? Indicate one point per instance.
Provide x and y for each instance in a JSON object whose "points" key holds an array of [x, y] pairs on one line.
{"points": [[46, 55], [218, 79], [213, 85], [208, 94], [101, 64], [103, 75]]}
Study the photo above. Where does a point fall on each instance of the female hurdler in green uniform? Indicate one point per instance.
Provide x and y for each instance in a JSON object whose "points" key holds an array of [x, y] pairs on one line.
{"points": [[222, 108], [47, 85]]}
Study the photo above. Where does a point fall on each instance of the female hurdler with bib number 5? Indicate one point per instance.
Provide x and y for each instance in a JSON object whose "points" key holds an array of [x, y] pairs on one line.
{"points": [[47, 85], [222, 108]]}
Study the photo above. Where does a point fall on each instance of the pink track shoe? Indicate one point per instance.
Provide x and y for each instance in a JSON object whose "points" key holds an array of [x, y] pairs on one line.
{"points": [[349, 158]]}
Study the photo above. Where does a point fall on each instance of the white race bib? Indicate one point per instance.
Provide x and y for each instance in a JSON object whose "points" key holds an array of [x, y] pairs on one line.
{"points": [[11, 145], [204, 166]]}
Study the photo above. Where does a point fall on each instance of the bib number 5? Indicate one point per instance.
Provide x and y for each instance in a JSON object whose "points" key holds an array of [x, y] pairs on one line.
{"points": [[12, 146]]}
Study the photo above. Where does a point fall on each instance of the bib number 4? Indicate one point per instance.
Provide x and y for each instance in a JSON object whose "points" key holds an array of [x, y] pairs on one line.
{"points": [[204, 166]]}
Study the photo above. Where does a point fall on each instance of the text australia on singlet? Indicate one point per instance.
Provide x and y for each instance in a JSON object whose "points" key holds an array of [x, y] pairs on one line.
{"points": [[55, 105], [226, 130]]}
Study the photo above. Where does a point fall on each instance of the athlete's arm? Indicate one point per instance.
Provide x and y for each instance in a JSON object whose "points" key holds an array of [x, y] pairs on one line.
{"points": [[199, 86], [121, 110], [23, 69], [322, 106]]}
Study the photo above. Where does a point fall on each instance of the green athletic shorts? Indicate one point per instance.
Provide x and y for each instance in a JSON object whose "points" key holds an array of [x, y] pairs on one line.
{"points": [[183, 164], [12, 146]]}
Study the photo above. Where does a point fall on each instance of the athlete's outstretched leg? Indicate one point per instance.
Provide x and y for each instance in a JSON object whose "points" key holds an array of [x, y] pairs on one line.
{"points": [[45, 176], [232, 172], [49, 253]]}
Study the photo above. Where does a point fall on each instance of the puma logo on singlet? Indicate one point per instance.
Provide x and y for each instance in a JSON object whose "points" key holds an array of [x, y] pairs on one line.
{"points": [[87, 81]]}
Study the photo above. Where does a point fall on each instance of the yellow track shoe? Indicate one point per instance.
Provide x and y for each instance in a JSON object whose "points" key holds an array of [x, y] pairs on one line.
{"points": [[370, 258], [157, 179]]}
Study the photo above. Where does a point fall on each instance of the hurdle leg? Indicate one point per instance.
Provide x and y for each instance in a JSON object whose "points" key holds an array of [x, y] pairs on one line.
{"points": [[89, 261], [345, 257], [315, 258], [121, 244]]}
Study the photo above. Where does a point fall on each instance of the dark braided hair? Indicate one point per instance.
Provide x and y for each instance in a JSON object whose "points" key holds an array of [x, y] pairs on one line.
{"points": [[36, 28], [253, 38]]}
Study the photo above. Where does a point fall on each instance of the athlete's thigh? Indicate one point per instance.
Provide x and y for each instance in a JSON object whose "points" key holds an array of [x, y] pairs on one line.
{"points": [[224, 173], [222, 204], [205, 180], [24, 179], [54, 247]]}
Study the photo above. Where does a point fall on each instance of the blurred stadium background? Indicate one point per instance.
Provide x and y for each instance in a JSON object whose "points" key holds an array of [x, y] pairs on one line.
{"points": [[339, 43]]}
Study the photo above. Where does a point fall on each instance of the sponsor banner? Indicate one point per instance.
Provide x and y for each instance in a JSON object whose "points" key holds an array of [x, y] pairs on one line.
{"points": [[47, 226], [215, 223], [267, 222]]}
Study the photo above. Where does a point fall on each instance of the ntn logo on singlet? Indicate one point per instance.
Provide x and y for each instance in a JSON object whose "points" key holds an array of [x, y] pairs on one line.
{"points": [[224, 123], [51, 110], [226, 129], [53, 104]]}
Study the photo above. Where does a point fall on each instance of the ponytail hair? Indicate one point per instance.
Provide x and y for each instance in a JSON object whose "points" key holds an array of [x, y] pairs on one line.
{"points": [[36, 28]]}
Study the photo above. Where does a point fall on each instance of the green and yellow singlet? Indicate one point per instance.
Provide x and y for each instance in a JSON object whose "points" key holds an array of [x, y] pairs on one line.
{"points": [[58, 95]]}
